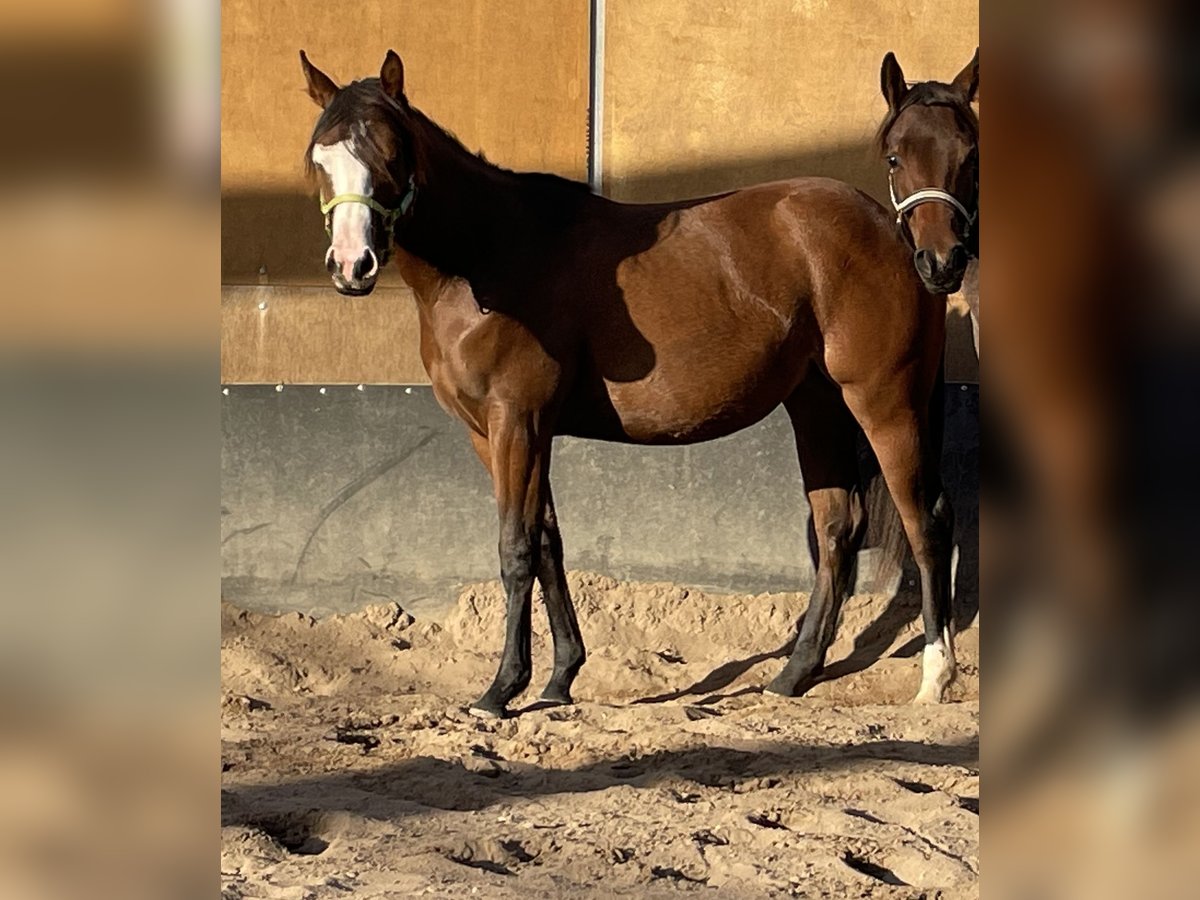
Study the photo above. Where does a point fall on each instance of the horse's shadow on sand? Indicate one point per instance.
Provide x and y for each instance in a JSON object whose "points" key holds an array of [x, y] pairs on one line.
{"points": [[292, 810], [869, 647], [960, 474], [723, 676]]}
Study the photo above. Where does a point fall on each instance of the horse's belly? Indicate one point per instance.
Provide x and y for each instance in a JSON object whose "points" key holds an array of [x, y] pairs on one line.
{"points": [[713, 331], [661, 409]]}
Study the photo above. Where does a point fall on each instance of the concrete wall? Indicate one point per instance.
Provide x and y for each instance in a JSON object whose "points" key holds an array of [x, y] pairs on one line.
{"points": [[311, 335], [330, 500]]}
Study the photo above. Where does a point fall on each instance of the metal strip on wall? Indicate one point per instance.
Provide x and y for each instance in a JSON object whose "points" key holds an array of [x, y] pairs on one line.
{"points": [[596, 99]]}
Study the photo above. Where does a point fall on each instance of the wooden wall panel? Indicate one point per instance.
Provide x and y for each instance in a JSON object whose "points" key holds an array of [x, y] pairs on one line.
{"points": [[509, 77], [311, 335], [699, 96], [705, 95]]}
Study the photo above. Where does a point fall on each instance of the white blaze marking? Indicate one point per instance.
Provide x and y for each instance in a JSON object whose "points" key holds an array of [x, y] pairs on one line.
{"points": [[351, 224]]}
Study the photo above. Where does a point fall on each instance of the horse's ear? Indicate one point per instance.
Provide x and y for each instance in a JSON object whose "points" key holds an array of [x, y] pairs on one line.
{"points": [[891, 81], [391, 76], [967, 81], [320, 86]]}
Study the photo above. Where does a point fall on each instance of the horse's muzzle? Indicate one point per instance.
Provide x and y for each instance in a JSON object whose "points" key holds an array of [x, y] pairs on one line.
{"points": [[355, 280], [942, 276], [353, 288]]}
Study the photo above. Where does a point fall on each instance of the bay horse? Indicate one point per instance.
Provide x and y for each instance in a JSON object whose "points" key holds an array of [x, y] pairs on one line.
{"points": [[548, 310], [930, 139]]}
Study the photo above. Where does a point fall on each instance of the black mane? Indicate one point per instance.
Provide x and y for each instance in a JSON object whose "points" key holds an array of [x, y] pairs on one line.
{"points": [[365, 100]]}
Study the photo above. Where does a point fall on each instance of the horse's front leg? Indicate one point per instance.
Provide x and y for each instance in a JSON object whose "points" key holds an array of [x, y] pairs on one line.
{"points": [[569, 654], [518, 455]]}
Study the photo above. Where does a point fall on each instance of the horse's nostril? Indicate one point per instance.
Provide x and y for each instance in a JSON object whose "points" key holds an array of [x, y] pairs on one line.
{"points": [[365, 266], [925, 261], [957, 258], [331, 264]]}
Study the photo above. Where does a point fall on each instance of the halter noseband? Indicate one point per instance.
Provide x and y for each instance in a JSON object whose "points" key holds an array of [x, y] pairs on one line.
{"points": [[390, 216], [927, 195]]}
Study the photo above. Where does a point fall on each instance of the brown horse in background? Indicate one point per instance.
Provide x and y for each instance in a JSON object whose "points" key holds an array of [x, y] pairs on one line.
{"points": [[545, 310], [930, 139]]}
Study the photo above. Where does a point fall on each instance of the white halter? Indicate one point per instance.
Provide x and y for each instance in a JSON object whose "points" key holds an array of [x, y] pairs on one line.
{"points": [[925, 195]]}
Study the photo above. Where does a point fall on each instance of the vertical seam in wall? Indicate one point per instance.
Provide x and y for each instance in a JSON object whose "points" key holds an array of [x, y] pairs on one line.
{"points": [[596, 90]]}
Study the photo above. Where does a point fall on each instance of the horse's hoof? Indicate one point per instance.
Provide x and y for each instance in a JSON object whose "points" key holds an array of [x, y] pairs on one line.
{"points": [[486, 709], [781, 688], [938, 672], [785, 685], [933, 691], [557, 697]]}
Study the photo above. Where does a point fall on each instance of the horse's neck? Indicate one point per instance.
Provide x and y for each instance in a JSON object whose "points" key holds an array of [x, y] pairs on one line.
{"points": [[462, 212]]}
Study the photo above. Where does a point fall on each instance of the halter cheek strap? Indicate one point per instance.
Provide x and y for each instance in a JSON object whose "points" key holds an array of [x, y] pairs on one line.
{"points": [[926, 195], [390, 216]]}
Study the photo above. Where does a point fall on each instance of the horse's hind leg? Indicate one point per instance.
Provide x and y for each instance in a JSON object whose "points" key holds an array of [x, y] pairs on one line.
{"points": [[907, 445], [825, 442], [569, 654]]}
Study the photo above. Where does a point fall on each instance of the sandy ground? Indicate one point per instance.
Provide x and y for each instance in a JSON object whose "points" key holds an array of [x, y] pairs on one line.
{"points": [[351, 769]]}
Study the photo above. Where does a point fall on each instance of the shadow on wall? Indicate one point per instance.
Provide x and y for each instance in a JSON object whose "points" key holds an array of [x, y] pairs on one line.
{"points": [[857, 164], [284, 232]]}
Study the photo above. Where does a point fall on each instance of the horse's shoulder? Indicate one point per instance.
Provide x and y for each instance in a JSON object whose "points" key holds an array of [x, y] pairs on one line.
{"points": [[829, 195]]}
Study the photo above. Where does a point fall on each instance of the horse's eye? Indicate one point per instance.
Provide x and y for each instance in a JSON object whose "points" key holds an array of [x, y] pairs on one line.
{"points": [[893, 161]]}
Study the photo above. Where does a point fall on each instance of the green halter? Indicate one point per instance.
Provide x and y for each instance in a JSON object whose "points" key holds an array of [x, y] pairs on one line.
{"points": [[390, 216]]}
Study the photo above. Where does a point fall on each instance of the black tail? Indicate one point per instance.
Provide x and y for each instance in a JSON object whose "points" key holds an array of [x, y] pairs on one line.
{"points": [[885, 533]]}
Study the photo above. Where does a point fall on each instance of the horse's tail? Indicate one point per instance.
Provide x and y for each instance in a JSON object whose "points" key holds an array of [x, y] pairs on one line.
{"points": [[881, 528], [885, 532]]}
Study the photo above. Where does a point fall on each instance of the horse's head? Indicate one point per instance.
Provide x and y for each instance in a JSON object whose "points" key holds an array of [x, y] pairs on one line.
{"points": [[930, 139], [360, 159]]}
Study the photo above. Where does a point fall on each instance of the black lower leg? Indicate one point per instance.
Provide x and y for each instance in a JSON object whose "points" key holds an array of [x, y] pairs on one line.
{"points": [[518, 562], [569, 654], [826, 443], [936, 597], [838, 534], [807, 661], [933, 560]]}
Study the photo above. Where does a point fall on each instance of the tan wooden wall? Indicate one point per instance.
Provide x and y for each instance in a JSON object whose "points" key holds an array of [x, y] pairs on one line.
{"points": [[699, 96], [509, 77], [705, 95]]}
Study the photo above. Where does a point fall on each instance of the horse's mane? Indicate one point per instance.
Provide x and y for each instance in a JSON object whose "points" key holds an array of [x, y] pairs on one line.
{"points": [[930, 93], [421, 136]]}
